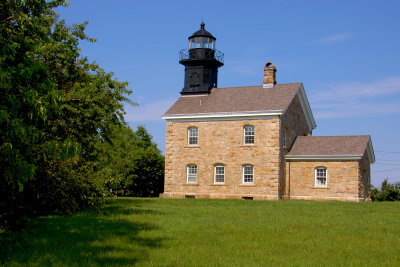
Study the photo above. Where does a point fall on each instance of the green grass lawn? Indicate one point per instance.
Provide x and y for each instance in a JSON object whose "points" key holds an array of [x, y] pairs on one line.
{"points": [[202, 232]]}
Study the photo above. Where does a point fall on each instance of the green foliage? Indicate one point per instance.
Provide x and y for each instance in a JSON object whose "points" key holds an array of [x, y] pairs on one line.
{"points": [[130, 160], [148, 167], [387, 192], [54, 107]]}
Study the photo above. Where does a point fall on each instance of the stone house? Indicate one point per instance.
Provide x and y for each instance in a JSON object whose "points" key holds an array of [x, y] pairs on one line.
{"points": [[254, 142]]}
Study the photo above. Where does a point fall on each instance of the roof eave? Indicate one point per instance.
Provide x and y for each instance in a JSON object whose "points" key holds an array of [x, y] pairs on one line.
{"points": [[323, 157], [232, 115]]}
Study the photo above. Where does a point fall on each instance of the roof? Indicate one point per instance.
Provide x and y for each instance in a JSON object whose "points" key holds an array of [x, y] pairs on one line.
{"points": [[241, 101], [235, 99], [331, 147], [202, 32]]}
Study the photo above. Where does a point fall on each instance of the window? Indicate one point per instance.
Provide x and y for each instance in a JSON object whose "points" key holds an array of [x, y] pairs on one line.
{"points": [[248, 174], [193, 135], [320, 176], [249, 134], [219, 174], [191, 173]]}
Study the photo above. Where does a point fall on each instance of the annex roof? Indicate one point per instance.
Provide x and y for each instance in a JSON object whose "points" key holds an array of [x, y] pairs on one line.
{"points": [[332, 147], [241, 101]]}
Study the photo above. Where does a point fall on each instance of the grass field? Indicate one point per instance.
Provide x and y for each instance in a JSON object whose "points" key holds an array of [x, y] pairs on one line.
{"points": [[201, 232]]}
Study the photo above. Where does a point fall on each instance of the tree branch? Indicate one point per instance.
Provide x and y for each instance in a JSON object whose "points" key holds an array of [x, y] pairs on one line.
{"points": [[10, 17]]}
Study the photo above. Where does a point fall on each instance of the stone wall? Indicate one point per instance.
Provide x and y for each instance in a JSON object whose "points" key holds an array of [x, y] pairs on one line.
{"points": [[221, 142], [364, 178], [343, 180], [295, 124]]}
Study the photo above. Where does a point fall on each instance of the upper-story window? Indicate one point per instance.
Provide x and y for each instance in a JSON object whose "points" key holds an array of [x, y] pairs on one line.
{"points": [[321, 177], [248, 174], [191, 173], [193, 136], [219, 174], [248, 134]]}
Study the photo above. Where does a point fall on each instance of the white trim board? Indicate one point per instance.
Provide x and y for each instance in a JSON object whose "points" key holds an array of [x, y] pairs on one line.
{"points": [[305, 105], [370, 152], [225, 116], [322, 157]]}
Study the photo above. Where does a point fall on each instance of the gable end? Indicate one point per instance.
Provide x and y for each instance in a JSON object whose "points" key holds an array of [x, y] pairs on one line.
{"points": [[305, 106]]}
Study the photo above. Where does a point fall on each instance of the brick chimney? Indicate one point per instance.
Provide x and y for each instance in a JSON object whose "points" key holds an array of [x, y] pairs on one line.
{"points": [[269, 75]]}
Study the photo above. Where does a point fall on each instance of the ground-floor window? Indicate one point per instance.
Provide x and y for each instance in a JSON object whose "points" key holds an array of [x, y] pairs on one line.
{"points": [[248, 174], [320, 177], [219, 174], [191, 173]]}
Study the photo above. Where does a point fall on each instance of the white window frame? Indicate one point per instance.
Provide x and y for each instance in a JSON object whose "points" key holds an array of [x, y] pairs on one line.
{"points": [[246, 134], [317, 184], [190, 135], [215, 173], [190, 174], [252, 174]]}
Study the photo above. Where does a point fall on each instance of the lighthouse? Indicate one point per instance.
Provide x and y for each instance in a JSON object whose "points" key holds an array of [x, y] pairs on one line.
{"points": [[201, 61]]}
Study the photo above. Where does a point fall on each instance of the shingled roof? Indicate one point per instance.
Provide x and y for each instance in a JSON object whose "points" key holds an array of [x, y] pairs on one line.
{"points": [[237, 99], [330, 147]]}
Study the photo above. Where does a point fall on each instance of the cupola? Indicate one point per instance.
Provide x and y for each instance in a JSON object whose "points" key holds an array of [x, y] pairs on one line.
{"points": [[201, 61]]}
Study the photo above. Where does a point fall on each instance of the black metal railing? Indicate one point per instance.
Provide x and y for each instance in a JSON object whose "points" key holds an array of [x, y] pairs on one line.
{"points": [[201, 53]]}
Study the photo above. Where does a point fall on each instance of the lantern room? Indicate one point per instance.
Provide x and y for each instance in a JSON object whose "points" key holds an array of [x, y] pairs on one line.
{"points": [[202, 39]]}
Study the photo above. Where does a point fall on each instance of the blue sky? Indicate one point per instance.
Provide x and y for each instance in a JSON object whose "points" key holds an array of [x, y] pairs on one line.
{"points": [[346, 53]]}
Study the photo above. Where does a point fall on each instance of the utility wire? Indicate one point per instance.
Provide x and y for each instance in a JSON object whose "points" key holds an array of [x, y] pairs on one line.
{"points": [[387, 170], [390, 152]]}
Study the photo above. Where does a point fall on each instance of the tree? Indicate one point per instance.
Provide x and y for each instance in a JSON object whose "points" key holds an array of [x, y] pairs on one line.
{"points": [[387, 192], [131, 160], [54, 107], [148, 167]]}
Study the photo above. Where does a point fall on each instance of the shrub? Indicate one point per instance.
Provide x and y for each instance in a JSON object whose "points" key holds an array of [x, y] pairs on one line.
{"points": [[387, 192]]}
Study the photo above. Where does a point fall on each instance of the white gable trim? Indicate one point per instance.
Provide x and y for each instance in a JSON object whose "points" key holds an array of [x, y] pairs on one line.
{"points": [[370, 152], [250, 115], [305, 105], [323, 157]]}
